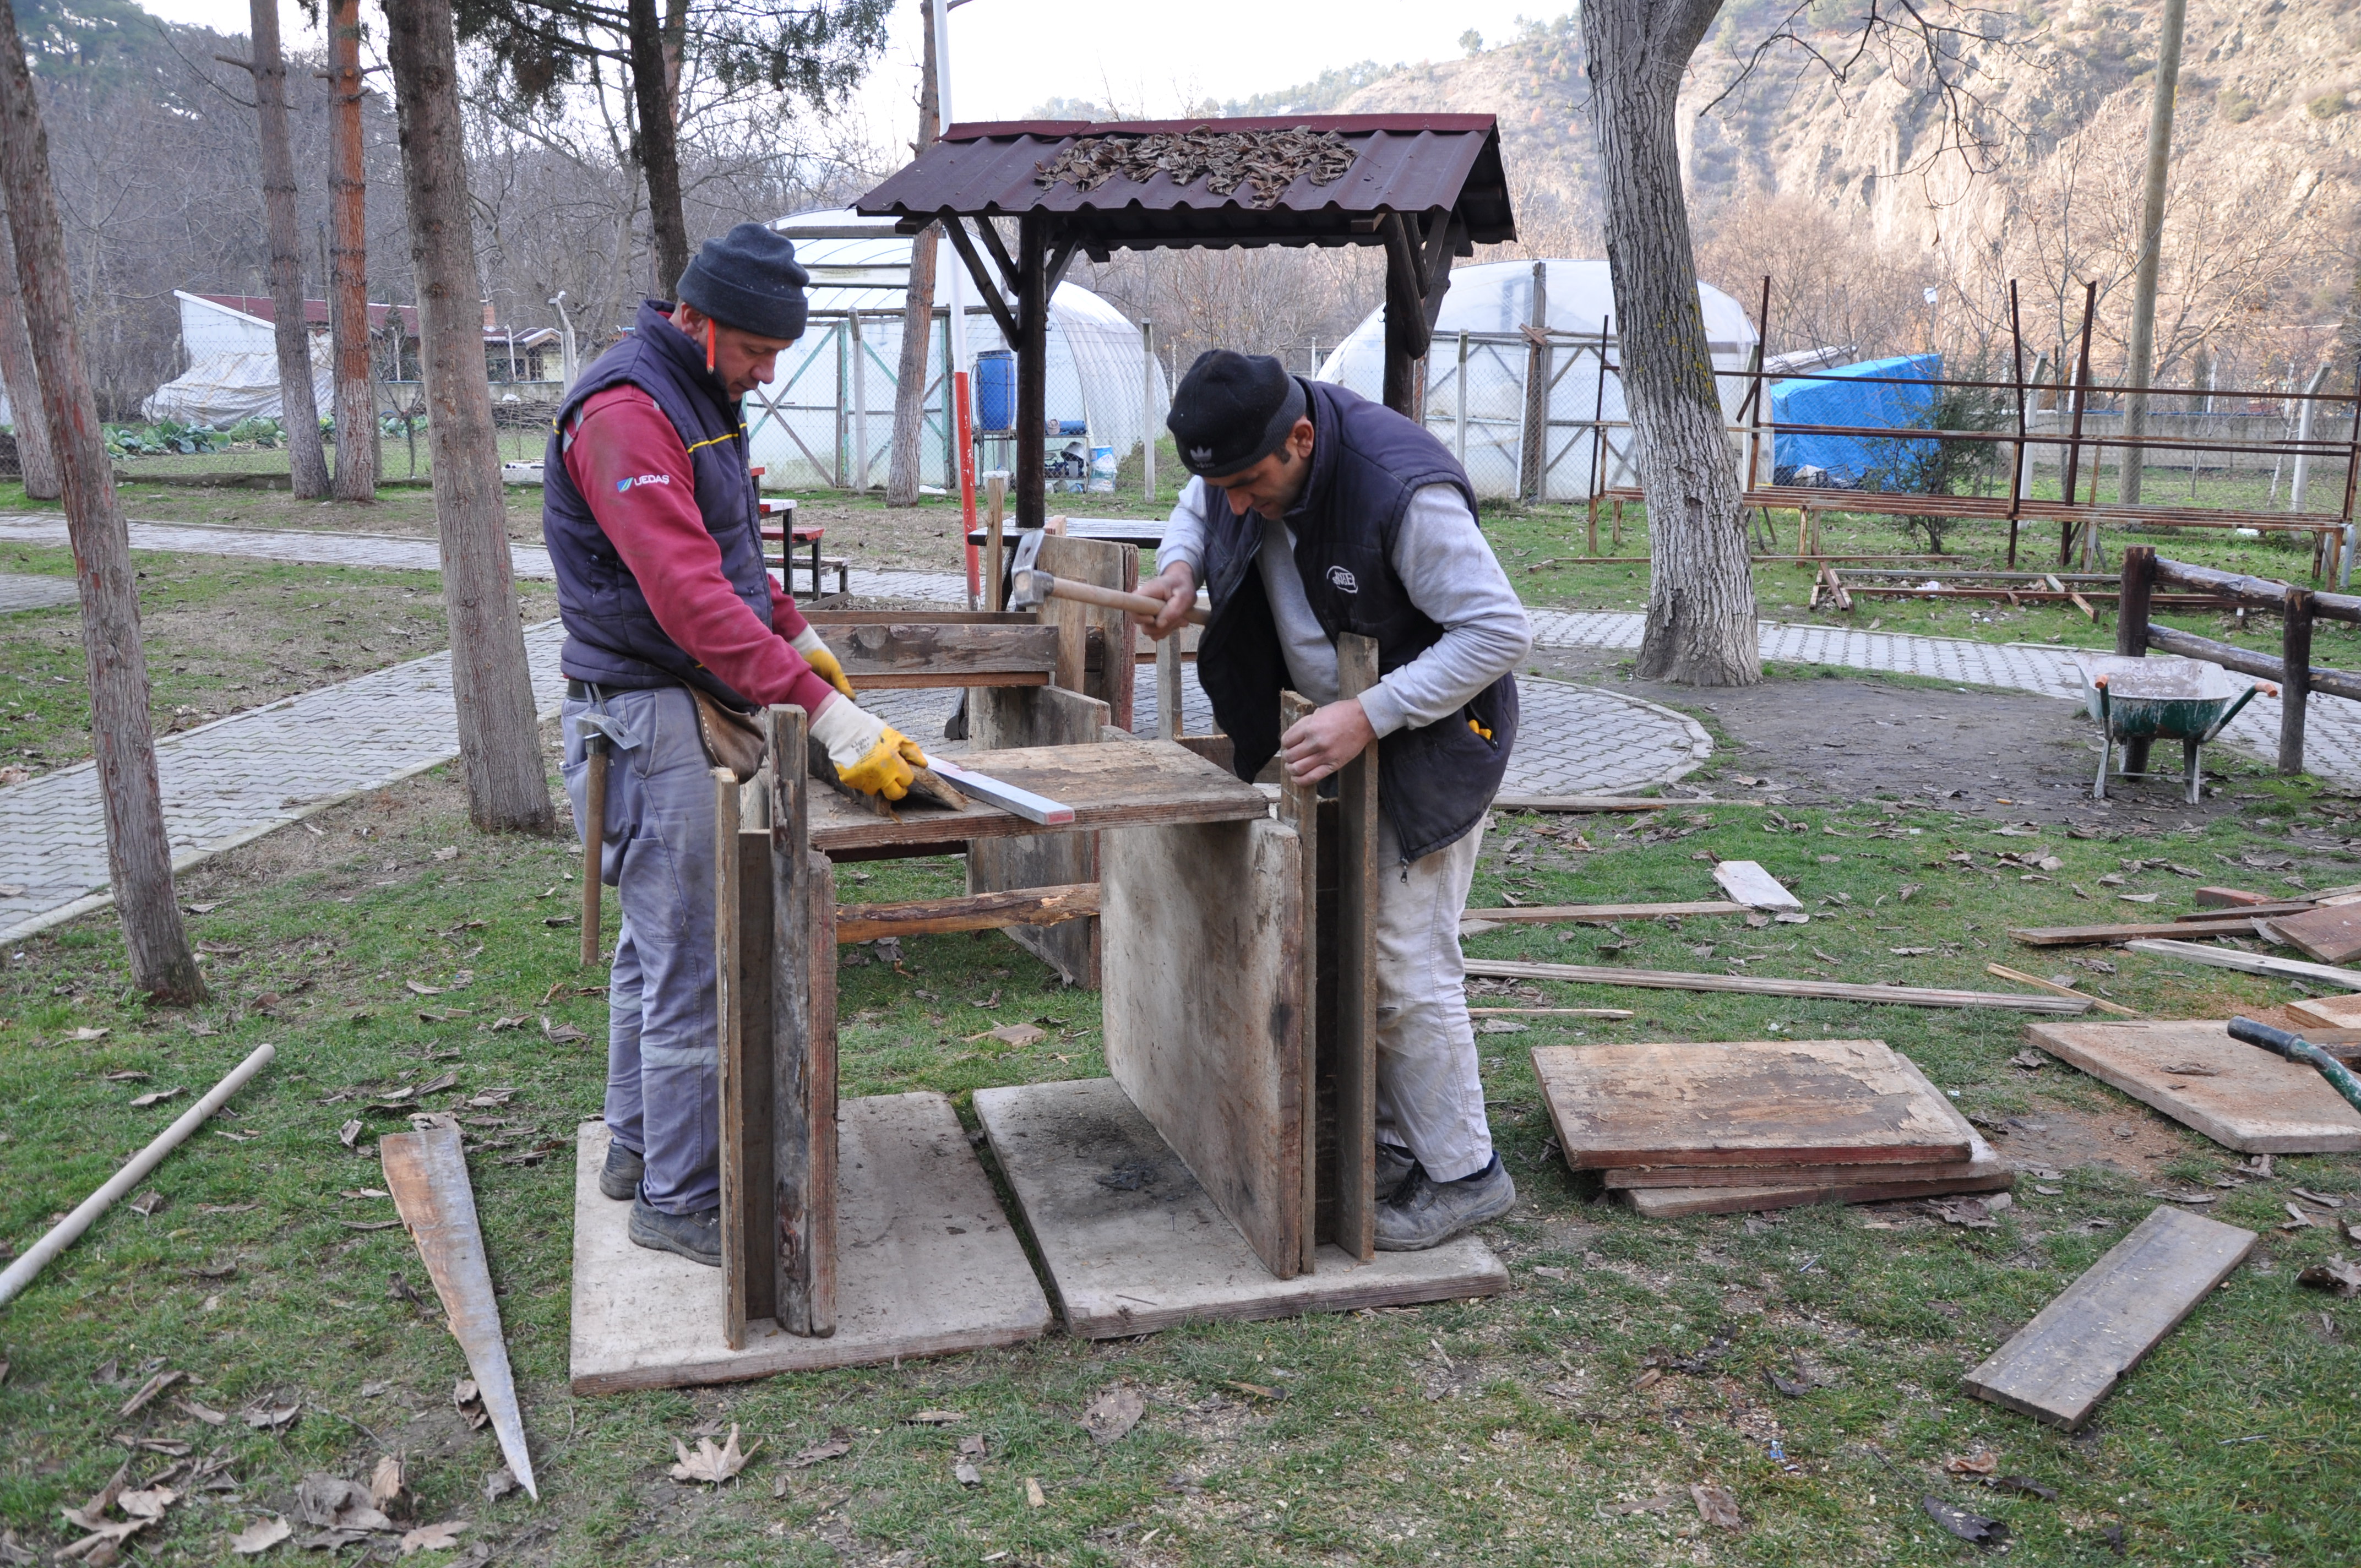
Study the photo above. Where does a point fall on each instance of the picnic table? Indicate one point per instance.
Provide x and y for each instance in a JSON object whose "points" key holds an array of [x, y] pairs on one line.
{"points": [[790, 535]]}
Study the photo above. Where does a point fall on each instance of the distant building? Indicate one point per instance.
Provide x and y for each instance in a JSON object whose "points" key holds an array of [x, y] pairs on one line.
{"points": [[232, 359]]}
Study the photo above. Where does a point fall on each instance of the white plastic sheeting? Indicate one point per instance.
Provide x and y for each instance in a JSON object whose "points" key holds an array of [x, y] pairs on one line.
{"points": [[1480, 413], [826, 420], [220, 389]]}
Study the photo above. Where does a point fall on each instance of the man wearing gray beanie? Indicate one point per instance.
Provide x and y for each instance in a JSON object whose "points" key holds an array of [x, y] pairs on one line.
{"points": [[654, 527]]}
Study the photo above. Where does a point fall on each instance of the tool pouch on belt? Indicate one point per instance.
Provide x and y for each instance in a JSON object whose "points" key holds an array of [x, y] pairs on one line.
{"points": [[732, 740]]}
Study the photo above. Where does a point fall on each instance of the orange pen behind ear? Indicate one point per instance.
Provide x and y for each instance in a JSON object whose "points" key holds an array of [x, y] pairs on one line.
{"points": [[709, 345]]}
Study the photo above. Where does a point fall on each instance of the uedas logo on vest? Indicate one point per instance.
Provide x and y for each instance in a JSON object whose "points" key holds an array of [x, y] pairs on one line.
{"points": [[622, 484], [1345, 580]]}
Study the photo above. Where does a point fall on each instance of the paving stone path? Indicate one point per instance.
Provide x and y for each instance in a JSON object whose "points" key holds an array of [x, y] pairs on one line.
{"points": [[243, 776]]}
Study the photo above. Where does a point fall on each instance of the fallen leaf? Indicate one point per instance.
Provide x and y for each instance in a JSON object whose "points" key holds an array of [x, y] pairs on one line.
{"points": [[836, 1445], [1662, 1503], [440, 1536], [1011, 1034], [499, 1024], [334, 1503], [148, 1391], [385, 1481], [934, 1418], [2335, 1275], [349, 1132], [1909, 953], [1500, 1026], [1795, 1388], [465, 1397], [265, 1416], [2030, 1060], [1033, 1498], [2127, 898], [449, 852], [149, 1504], [129, 1076], [369, 1224], [171, 1447], [561, 1034], [966, 1474], [205, 1413], [437, 1085], [87, 1034], [1967, 1212], [215, 1271], [148, 1203], [1259, 1391], [1715, 1506], [972, 1446], [2024, 1484], [1114, 1411], [1983, 1461], [260, 1536], [157, 1097], [1963, 1524], [709, 1465]]}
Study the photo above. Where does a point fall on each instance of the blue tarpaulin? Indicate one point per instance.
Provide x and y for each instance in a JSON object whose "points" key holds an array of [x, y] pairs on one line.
{"points": [[1851, 396]]}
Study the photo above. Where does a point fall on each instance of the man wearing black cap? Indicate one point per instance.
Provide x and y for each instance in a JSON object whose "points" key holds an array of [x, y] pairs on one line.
{"points": [[1315, 512], [653, 525]]}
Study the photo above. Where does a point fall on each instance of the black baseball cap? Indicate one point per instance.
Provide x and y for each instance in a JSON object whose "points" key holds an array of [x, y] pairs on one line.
{"points": [[1232, 410]]}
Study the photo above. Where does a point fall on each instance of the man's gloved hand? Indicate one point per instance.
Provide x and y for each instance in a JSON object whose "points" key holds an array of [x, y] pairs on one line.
{"points": [[869, 754], [823, 663]]}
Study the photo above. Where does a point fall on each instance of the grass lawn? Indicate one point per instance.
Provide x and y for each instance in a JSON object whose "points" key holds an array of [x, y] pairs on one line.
{"points": [[1564, 1423]]}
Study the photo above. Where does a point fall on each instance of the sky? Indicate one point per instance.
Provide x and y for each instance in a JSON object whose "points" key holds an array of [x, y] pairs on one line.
{"points": [[1009, 55]]}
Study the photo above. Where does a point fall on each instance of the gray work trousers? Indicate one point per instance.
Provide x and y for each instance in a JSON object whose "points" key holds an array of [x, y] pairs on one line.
{"points": [[1429, 1092], [663, 1073]]}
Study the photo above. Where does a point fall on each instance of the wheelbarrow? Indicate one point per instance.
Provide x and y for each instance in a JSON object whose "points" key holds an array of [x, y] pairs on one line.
{"points": [[2160, 698]]}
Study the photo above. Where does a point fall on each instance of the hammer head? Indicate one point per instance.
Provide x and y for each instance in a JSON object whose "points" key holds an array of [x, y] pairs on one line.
{"points": [[1029, 590], [1029, 549]]}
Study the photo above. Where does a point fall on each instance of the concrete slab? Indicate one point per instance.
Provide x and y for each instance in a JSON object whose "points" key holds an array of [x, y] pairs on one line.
{"points": [[1134, 1245], [927, 1265]]}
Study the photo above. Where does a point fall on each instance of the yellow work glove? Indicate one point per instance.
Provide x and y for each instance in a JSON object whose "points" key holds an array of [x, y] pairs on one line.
{"points": [[868, 753], [823, 663]]}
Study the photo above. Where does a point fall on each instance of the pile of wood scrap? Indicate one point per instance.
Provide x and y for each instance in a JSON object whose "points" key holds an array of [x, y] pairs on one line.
{"points": [[2241, 1097], [1719, 1129]]}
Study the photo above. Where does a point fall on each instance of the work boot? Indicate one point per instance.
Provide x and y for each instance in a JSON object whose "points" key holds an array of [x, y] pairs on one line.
{"points": [[1394, 1166], [619, 1178], [696, 1237], [1427, 1212]]}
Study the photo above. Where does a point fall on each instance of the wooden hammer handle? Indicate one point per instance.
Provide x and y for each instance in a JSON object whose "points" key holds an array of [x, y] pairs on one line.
{"points": [[1107, 599]]}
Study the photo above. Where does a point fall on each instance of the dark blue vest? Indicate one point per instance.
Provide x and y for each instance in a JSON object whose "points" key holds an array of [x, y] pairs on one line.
{"points": [[611, 635], [1434, 783]]}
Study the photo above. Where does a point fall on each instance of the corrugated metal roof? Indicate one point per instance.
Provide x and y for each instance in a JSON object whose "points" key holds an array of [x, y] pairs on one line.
{"points": [[1404, 163]]}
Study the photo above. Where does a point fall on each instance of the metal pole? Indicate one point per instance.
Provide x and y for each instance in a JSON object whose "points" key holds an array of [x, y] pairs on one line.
{"points": [[1459, 405], [1147, 408], [2143, 341], [860, 415], [2303, 434]]}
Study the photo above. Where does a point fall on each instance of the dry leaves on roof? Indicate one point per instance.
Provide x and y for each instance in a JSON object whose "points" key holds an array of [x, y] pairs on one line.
{"points": [[1267, 162]]}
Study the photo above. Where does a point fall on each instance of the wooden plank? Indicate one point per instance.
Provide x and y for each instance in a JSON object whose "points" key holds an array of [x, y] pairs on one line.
{"points": [[1356, 942], [1578, 804], [1758, 1103], [1299, 808], [1132, 1244], [2058, 1367], [1051, 743], [1749, 885], [2327, 1011], [2002, 972], [1762, 985], [820, 1110], [742, 1007], [2331, 935], [803, 1089], [976, 911], [928, 680], [2208, 924], [1983, 1172], [2241, 1097], [931, 1267], [886, 648], [2250, 963], [827, 618], [1107, 565], [1600, 914], [1134, 784], [1202, 1002]]}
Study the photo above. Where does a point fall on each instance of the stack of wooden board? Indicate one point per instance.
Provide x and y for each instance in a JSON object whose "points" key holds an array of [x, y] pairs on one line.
{"points": [[1715, 1129]]}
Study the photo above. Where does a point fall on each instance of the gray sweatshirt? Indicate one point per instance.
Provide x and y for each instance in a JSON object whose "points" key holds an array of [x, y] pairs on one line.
{"points": [[1451, 574]]}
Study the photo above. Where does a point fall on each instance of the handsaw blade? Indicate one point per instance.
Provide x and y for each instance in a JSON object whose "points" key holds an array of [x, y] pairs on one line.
{"points": [[427, 1175]]}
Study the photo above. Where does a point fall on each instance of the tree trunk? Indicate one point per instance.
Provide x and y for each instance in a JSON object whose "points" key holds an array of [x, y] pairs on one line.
{"points": [[659, 145], [499, 746], [35, 460], [348, 321], [917, 322], [299, 411], [1701, 624], [139, 852]]}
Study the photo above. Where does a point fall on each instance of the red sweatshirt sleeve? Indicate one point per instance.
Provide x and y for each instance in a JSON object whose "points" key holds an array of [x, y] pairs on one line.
{"points": [[785, 618], [631, 465]]}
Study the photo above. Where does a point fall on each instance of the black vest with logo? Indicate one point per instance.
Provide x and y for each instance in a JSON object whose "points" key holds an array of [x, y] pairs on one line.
{"points": [[1435, 782]]}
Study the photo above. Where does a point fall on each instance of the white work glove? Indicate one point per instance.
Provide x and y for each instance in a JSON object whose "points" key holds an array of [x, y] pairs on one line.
{"points": [[868, 753], [823, 662]]}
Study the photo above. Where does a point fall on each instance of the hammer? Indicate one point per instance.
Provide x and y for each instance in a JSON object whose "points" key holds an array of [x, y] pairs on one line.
{"points": [[1032, 588], [594, 840]]}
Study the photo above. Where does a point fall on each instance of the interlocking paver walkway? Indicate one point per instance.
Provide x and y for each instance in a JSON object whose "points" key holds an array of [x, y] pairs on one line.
{"points": [[2331, 724]]}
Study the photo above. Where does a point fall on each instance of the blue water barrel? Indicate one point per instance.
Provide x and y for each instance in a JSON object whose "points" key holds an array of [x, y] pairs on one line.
{"points": [[996, 389]]}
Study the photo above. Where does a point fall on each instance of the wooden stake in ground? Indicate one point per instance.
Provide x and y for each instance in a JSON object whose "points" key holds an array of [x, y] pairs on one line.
{"points": [[499, 748], [139, 852], [348, 325], [299, 412], [34, 459]]}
